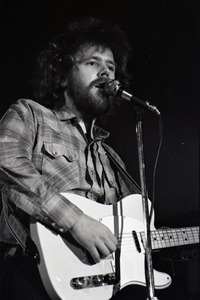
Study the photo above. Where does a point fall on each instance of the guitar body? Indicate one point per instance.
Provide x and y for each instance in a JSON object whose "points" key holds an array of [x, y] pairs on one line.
{"points": [[64, 264]]}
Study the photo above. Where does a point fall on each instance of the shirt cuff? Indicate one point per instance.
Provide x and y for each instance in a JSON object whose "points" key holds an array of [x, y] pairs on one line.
{"points": [[63, 213]]}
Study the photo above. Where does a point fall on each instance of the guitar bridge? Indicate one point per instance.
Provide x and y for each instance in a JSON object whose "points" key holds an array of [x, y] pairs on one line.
{"points": [[94, 281]]}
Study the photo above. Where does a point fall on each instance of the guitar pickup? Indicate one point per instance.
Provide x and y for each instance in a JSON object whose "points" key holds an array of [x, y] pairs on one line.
{"points": [[137, 244]]}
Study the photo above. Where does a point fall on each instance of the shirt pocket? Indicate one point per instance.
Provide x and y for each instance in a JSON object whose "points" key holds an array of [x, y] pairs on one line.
{"points": [[54, 150], [60, 165]]}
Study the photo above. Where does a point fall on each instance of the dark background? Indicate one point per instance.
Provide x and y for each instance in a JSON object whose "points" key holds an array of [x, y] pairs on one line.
{"points": [[165, 36]]}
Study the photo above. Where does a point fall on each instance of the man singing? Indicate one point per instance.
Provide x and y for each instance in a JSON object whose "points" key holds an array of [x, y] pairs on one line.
{"points": [[51, 145]]}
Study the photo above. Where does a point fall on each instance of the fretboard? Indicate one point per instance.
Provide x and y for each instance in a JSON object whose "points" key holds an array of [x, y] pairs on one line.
{"points": [[173, 237]]}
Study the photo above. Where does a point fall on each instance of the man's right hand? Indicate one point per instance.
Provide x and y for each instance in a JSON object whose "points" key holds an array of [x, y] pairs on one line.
{"points": [[95, 237]]}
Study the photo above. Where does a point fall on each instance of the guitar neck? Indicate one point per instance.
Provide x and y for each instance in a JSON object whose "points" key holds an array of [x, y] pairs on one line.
{"points": [[173, 237]]}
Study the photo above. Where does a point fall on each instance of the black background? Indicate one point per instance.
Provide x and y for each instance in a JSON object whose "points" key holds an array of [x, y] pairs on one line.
{"points": [[165, 36]]}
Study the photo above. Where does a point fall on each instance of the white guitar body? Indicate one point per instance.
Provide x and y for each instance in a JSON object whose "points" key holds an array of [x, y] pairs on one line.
{"points": [[61, 262]]}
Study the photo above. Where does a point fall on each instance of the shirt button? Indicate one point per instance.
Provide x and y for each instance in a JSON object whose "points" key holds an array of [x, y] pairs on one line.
{"points": [[71, 158], [55, 153]]}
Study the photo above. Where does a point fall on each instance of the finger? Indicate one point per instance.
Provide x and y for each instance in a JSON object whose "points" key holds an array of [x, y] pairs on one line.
{"points": [[103, 250], [95, 254], [113, 239], [110, 241], [110, 236], [112, 247]]}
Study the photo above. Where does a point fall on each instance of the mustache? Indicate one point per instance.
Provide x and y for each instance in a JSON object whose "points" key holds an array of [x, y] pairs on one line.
{"points": [[99, 82]]}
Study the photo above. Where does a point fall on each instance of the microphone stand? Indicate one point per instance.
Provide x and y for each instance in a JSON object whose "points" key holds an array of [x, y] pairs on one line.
{"points": [[146, 218], [114, 87]]}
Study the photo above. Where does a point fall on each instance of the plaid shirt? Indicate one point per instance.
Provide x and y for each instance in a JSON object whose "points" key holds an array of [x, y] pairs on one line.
{"points": [[45, 152]]}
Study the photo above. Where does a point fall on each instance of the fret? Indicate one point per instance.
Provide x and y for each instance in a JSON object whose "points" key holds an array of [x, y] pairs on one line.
{"points": [[172, 237]]}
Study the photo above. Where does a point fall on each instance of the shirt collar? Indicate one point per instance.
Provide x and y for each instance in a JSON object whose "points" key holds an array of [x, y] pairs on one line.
{"points": [[100, 133], [64, 115], [97, 132]]}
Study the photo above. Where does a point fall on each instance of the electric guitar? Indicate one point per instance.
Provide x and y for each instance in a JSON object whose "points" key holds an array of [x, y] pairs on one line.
{"points": [[67, 271]]}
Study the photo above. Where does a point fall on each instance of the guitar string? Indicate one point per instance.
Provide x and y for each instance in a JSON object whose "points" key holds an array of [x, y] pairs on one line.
{"points": [[186, 236], [166, 238], [169, 234]]}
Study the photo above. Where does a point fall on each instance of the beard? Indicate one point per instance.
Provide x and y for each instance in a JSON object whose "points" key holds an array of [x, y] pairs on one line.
{"points": [[91, 101]]}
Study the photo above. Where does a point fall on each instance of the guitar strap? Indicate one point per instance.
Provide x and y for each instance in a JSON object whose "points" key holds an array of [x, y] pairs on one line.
{"points": [[17, 229]]}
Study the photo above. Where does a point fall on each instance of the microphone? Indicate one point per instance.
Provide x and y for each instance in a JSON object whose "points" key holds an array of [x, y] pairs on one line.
{"points": [[114, 88]]}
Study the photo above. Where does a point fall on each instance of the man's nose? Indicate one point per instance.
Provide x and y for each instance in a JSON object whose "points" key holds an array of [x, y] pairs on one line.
{"points": [[104, 72]]}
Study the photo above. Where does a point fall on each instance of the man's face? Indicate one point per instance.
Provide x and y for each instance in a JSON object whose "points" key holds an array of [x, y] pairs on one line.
{"points": [[93, 66]]}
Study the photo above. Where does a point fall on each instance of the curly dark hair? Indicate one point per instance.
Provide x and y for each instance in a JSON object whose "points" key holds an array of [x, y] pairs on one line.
{"points": [[56, 61]]}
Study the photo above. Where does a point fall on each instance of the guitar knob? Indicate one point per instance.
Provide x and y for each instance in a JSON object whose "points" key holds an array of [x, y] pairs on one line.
{"points": [[98, 279], [78, 283], [111, 279]]}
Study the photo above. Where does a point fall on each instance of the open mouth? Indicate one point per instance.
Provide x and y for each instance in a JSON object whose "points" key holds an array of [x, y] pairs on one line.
{"points": [[100, 85]]}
